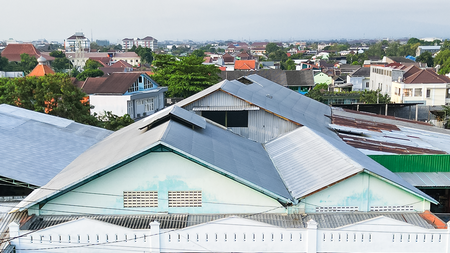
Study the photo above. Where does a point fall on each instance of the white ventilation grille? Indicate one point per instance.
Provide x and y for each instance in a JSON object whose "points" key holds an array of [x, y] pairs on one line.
{"points": [[391, 208], [185, 198], [336, 209], [140, 199]]}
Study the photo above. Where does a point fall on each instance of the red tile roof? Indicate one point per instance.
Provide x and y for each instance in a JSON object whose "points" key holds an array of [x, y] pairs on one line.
{"points": [[41, 70], [116, 83], [244, 64], [426, 76], [13, 51], [121, 64]]}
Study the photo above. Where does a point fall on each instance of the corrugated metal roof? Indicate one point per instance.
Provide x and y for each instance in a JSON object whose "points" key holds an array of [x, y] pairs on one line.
{"points": [[426, 179], [414, 163], [35, 146], [244, 160], [305, 172], [178, 112], [225, 108], [179, 221]]}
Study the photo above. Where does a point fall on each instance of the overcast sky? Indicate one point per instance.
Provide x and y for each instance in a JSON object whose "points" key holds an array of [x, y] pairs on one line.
{"points": [[200, 20]]}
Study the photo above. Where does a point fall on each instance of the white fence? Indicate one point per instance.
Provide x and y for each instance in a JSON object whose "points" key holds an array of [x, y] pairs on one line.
{"points": [[235, 234]]}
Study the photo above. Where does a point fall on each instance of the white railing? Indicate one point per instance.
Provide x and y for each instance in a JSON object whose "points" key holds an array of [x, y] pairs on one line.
{"points": [[239, 235]]}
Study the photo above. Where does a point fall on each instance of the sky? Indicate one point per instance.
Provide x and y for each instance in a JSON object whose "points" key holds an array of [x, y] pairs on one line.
{"points": [[202, 20]]}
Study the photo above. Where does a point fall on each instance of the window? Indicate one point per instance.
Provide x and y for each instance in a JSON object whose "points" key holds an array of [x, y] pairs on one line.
{"points": [[140, 199], [228, 118], [185, 198], [148, 105], [130, 108], [334, 209], [367, 84], [428, 93], [418, 92], [391, 208], [134, 87], [140, 79], [407, 92], [147, 84], [448, 94]]}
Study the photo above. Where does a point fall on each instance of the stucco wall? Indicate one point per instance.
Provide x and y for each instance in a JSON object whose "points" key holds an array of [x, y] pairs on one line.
{"points": [[116, 104], [363, 191], [162, 172]]}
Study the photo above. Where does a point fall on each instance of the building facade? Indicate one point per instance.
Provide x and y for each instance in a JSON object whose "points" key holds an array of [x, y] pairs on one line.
{"points": [[148, 42]]}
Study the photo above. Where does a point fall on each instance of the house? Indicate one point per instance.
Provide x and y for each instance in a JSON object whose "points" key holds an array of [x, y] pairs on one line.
{"points": [[36, 146], [320, 77], [430, 49], [246, 65], [118, 66], [176, 165], [257, 108], [109, 58], [123, 93], [13, 51], [77, 42], [360, 79], [147, 42], [42, 68], [416, 151]]}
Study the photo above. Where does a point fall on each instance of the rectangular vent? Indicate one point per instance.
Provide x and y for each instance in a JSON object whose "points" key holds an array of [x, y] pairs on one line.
{"points": [[392, 209], [140, 199], [185, 198], [336, 209]]}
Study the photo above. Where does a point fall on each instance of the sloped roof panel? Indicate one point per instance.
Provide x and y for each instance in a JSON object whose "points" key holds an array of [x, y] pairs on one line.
{"points": [[37, 146]]}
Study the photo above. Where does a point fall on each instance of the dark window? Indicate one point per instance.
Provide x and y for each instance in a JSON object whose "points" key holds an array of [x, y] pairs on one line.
{"points": [[428, 93], [228, 118]]}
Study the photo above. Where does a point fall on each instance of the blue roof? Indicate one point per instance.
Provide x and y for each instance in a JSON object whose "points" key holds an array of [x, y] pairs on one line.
{"points": [[35, 146]]}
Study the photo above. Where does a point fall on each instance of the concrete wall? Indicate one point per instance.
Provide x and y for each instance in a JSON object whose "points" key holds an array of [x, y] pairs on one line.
{"points": [[438, 92], [116, 104], [162, 172], [362, 191]]}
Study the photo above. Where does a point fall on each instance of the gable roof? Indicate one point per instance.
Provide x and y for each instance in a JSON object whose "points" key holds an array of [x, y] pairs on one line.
{"points": [[341, 161], [39, 145], [220, 150], [41, 70], [283, 77], [426, 76], [13, 51], [116, 83], [361, 72], [275, 99], [244, 64], [121, 64]]}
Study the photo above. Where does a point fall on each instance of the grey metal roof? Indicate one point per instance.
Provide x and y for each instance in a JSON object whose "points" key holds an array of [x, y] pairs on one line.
{"points": [[226, 108], [295, 156], [244, 160], [178, 113], [426, 179], [281, 101], [179, 221], [35, 146]]}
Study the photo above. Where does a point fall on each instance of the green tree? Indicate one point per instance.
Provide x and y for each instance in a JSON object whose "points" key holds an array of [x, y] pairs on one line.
{"points": [[184, 76], [146, 54], [445, 67], [27, 63], [199, 53], [57, 54], [426, 57], [393, 49], [445, 45], [3, 63], [372, 97], [317, 92], [441, 57], [132, 49], [289, 65], [271, 47], [61, 64], [89, 73], [412, 41], [92, 64], [376, 50], [113, 122]]}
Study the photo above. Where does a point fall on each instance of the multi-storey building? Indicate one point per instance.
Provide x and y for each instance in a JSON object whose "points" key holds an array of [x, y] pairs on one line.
{"points": [[148, 42], [77, 41]]}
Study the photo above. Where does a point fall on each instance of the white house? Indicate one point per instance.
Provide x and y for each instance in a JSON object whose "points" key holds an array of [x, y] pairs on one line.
{"points": [[360, 79], [123, 93]]}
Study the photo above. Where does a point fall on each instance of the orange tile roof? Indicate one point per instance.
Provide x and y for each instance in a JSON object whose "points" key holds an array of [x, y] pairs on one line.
{"points": [[244, 64], [13, 51], [41, 70], [426, 76]]}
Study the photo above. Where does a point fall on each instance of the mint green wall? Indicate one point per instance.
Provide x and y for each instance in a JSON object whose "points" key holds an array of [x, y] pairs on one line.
{"points": [[362, 190], [322, 78], [162, 172]]}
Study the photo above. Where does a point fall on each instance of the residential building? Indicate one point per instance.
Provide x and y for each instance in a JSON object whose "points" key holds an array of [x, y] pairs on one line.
{"points": [[147, 42], [130, 93], [360, 79], [381, 78], [179, 166], [109, 58], [77, 42], [246, 65], [430, 49], [320, 77], [424, 86]]}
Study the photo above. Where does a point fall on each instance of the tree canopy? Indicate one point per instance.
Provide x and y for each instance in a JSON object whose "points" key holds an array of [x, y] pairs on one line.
{"points": [[184, 76], [425, 57], [145, 53]]}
